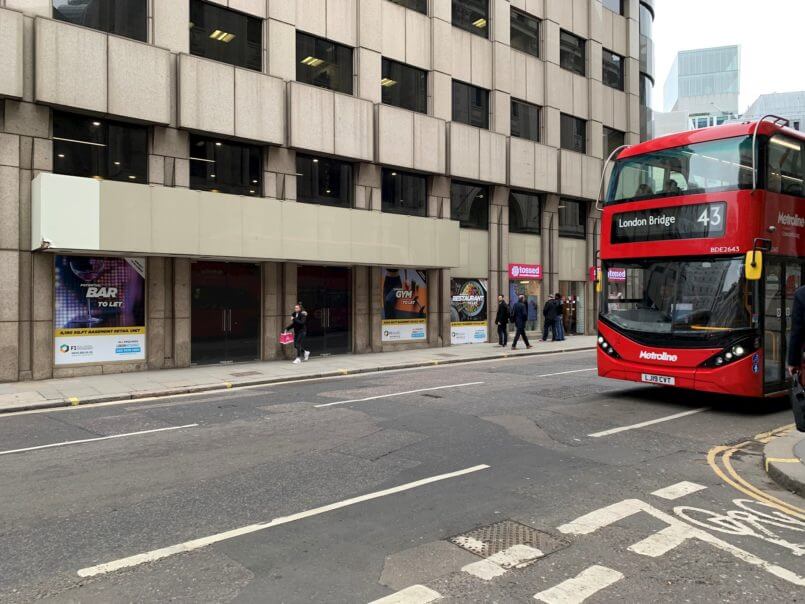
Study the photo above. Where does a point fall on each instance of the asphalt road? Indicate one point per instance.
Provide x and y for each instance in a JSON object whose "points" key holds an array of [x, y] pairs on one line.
{"points": [[366, 495]]}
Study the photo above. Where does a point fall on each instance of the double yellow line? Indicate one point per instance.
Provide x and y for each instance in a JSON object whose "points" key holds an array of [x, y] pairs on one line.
{"points": [[727, 473]]}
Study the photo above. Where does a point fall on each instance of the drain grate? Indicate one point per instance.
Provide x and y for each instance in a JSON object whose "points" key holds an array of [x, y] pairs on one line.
{"points": [[488, 540], [245, 373]]}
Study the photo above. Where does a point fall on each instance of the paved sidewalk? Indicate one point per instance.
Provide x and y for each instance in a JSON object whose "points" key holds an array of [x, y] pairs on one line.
{"points": [[19, 396], [784, 460]]}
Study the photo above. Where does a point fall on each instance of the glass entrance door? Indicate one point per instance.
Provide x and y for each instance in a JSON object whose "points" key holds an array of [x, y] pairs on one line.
{"points": [[773, 344], [326, 294], [225, 312]]}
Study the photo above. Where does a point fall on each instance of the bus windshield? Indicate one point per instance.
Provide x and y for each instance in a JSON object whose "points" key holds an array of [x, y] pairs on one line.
{"points": [[689, 298], [710, 167]]}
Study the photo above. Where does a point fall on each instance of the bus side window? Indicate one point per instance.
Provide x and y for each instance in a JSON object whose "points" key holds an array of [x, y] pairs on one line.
{"points": [[785, 169]]}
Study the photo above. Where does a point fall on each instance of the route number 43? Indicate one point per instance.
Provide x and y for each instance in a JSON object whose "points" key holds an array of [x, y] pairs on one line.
{"points": [[711, 217]]}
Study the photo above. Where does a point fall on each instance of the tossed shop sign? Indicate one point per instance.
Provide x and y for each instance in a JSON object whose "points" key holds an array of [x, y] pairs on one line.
{"points": [[525, 271]]}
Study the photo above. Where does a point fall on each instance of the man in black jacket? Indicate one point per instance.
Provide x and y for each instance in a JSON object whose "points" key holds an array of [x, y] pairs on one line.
{"points": [[520, 316], [549, 313], [299, 326], [796, 338], [502, 320]]}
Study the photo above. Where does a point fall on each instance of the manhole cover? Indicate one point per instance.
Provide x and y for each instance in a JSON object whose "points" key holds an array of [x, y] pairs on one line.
{"points": [[488, 540], [245, 373]]}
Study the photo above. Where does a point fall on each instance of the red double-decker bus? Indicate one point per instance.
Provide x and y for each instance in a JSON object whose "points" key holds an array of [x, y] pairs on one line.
{"points": [[702, 245]]}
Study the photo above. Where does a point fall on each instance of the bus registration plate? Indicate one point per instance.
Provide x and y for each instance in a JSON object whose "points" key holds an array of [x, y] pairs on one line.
{"points": [[662, 380]]}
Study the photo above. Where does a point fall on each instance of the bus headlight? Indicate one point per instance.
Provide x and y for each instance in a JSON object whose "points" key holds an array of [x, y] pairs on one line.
{"points": [[607, 347], [733, 352], [738, 351]]}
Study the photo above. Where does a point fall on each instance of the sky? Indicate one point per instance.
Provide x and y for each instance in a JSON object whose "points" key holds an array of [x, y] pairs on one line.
{"points": [[771, 34]]}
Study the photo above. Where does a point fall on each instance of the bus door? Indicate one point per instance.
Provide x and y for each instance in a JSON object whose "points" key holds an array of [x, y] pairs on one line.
{"points": [[774, 360]]}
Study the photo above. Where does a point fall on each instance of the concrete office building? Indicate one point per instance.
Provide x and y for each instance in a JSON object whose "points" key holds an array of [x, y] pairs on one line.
{"points": [[790, 105], [176, 174]]}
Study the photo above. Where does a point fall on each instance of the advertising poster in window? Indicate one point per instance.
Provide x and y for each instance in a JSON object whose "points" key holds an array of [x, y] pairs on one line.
{"points": [[405, 305], [468, 311], [99, 310]]}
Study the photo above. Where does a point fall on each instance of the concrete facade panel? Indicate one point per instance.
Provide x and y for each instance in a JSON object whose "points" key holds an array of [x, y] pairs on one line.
{"points": [[206, 95], [311, 118], [570, 173], [251, 7], [521, 163], [572, 259], [429, 144], [341, 21], [282, 10], [474, 258], [311, 17], [171, 20], [369, 16], [171, 207], [441, 34], [140, 81], [464, 151], [393, 16], [369, 74], [417, 40], [481, 74], [11, 50], [462, 55], [354, 128], [259, 107], [492, 157], [395, 136], [220, 224], [281, 50], [123, 199]]}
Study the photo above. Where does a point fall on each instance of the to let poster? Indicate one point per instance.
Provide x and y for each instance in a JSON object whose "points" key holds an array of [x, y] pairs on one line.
{"points": [[468, 311], [99, 310], [405, 305]]}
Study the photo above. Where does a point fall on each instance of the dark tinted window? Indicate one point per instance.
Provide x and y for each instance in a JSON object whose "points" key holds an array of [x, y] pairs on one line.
{"points": [[417, 5], [472, 15], [572, 218], [786, 170], [524, 213], [612, 140], [525, 33], [225, 167], [572, 52], [88, 146], [324, 181], [525, 120], [616, 6], [404, 193], [613, 70], [470, 105], [573, 133], [404, 86], [225, 35], [127, 18], [323, 63], [469, 204]]}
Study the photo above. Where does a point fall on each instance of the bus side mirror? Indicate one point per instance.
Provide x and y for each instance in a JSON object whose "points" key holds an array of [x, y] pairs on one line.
{"points": [[754, 265]]}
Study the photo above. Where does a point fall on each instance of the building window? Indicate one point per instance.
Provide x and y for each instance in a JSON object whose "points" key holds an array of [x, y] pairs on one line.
{"points": [[525, 120], [525, 213], [421, 6], [404, 86], [225, 35], [223, 166], [103, 149], [525, 33], [613, 69], [324, 180], [572, 52], [470, 105], [573, 133], [616, 6], [472, 15], [404, 193], [127, 18], [469, 204], [612, 140], [796, 125], [572, 218], [323, 63]]}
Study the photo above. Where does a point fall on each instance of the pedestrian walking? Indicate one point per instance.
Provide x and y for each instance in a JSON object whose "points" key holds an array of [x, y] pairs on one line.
{"points": [[299, 326], [796, 340], [502, 321], [549, 313], [559, 330], [520, 316]]}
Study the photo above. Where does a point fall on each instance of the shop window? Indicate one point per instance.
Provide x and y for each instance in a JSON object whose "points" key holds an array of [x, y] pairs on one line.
{"points": [[404, 86], [324, 181], [421, 6], [524, 120], [525, 32], [573, 133], [572, 52], [469, 204], [95, 148], [224, 166], [572, 218], [225, 35], [616, 6], [128, 18], [613, 70], [470, 105], [323, 63], [525, 213], [612, 140], [472, 16], [404, 193]]}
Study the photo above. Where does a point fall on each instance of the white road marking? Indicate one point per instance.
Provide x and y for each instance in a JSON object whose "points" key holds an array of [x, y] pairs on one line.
{"points": [[92, 440], [651, 422], [373, 398], [416, 594], [580, 587], [484, 570], [516, 556], [680, 489], [566, 372], [194, 544], [661, 542]]}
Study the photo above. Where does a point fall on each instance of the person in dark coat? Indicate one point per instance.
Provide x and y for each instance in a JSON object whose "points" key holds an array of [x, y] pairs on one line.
{"points": [[502, 320], [549, 313], [559, 329], [796, 339], [299, 326], [520, 316]]}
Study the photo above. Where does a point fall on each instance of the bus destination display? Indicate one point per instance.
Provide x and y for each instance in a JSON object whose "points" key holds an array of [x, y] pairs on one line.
{"points": [[680, 222]]}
